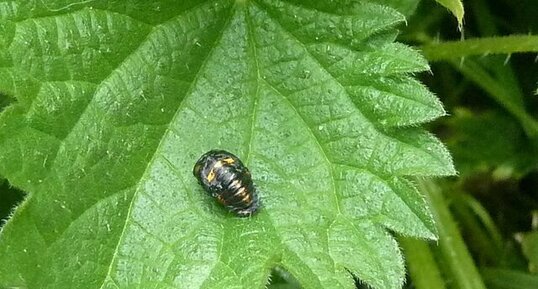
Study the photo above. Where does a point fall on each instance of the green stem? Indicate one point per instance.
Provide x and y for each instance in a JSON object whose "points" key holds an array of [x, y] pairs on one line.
{"points": [[481, 46], [479, 240], [460, 266], [486, 220], [418, 257]]}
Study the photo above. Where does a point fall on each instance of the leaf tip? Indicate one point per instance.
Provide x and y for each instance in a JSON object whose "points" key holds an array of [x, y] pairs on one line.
{"points": [[456, 8]]}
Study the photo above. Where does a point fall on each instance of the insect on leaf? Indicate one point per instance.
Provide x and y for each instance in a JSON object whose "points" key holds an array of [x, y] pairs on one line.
{"points": [[115, 102]]}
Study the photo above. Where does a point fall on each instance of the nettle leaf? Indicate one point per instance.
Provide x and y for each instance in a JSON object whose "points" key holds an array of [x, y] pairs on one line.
{"points": [[115, 101]]}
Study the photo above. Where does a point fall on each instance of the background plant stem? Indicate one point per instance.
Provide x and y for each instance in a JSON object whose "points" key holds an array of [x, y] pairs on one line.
{"points": [[461, 269], [480, 46], [418, 256]]}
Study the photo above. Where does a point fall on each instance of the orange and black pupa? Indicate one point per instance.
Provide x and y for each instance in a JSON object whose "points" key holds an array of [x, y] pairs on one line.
{"points": [[226, 178]]}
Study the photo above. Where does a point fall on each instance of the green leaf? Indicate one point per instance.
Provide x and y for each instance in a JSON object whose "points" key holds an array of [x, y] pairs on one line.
{"points": [[407, 7], [116, 101], [4, 101], [529, 244], [456, 8], [509, 279], [9, 197], [281, 279]]}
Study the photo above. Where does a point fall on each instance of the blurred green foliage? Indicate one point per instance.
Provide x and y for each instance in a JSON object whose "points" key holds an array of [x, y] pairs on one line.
{"points": [[491, 133], [9, 198]]}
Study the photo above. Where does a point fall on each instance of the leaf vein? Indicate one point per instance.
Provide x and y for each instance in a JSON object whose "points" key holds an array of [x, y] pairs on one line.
{"points": [[191, 88]]}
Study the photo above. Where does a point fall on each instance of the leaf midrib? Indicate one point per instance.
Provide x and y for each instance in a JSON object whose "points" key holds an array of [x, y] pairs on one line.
{"points": [[313, 136], [260, 79], [96, 90]]}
